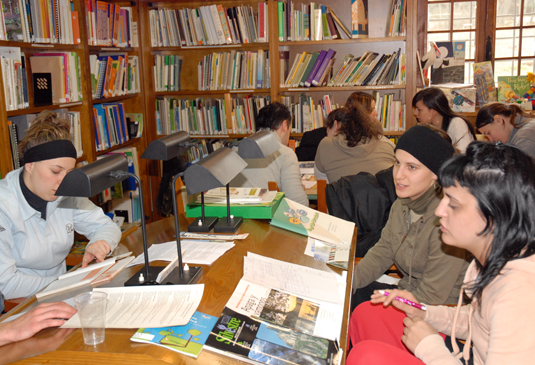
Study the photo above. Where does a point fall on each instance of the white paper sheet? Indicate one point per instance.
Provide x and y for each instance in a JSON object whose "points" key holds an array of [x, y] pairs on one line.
{"points": [[209, 236], [296, 279], [194, 252], [148, 306]]}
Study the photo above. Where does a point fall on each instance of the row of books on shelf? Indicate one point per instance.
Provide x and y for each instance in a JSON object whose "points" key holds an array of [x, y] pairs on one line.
{"points": [[309, 22], [19, 124], [234, 70], [207, 116], [57, 77], [113, 126], [167, 70], [392, 112], [114, 75], [315, 69], [110, 25], [396, 25], [208, 25], [13, 63], [306, 114], [39, 21]]}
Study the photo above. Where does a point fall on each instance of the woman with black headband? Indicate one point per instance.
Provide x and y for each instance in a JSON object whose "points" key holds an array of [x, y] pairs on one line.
{"points": [[37, 227], [411, 238]]}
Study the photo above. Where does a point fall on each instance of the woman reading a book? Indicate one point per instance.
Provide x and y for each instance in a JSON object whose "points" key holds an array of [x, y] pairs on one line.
{"points": [[507, 123], [37, 227], [431, 106], [488, 210], [357, 145], [411, 238]]}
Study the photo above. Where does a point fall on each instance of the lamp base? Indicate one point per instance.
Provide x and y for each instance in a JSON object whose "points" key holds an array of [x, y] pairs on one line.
{"points": [[153, 273], [207, 226], [190, 276], [228, 227]]}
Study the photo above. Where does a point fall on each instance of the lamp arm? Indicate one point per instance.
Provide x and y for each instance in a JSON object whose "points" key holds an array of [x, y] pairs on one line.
{"points": [[121, 175], [177, 228]]}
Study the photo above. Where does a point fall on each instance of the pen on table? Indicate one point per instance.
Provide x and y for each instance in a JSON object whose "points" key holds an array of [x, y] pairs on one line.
{"points": [[406, 301]]}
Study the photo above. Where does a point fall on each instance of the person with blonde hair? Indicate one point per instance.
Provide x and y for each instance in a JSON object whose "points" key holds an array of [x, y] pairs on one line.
{"points": [[507, 123], [36, 226]]}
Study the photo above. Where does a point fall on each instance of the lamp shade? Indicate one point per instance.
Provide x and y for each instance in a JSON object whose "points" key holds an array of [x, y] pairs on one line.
{"points": [[93, 178], [214, 171], [167, 147], [259, 145]]}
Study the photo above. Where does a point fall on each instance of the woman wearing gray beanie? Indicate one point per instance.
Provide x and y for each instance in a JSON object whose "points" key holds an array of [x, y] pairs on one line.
{"points": [[411, 239]]}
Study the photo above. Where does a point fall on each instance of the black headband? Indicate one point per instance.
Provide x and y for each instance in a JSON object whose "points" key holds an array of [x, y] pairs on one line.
{"points": [[427, 146], [50, 150]]}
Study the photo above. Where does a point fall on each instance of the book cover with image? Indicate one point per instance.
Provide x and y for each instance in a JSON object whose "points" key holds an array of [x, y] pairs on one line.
{"points": [[484, 80], [242, 337], [188, 339], [512, 88], [449, 64]]}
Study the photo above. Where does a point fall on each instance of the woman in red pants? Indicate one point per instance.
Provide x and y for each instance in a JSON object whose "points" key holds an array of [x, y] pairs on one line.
{"points": [[488, 210]]}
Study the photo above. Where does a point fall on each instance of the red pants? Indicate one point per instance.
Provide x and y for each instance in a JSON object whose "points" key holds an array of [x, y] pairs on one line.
{"points": [[375, 332]]}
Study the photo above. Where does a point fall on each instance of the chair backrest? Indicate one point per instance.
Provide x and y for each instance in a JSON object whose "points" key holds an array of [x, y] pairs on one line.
{"points": [[272, 186], [322, 199]]}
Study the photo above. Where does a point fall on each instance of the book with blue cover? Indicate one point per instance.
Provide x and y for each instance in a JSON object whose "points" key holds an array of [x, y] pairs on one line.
{"points": [[188, 340]]}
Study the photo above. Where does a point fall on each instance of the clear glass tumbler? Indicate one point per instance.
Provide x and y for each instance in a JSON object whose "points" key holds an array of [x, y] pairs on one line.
{"points": [[91, 308]]}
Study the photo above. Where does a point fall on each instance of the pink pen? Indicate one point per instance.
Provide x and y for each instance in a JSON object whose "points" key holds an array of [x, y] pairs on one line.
{"points": [[406, 301]]}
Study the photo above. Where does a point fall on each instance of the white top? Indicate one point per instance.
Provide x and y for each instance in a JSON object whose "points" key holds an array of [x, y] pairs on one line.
{"points": [[33, 250], [281, 167], [460, 134]]}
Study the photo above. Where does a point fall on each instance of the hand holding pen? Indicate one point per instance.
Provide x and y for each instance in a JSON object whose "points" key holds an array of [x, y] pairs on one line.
{"points": [[399, 298]]}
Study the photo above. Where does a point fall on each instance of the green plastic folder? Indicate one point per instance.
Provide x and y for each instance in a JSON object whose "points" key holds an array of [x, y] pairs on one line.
{"points": [[251, 211]]}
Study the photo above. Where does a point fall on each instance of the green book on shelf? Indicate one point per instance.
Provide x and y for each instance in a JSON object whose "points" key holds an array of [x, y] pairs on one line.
{"points": [[251, 211]]}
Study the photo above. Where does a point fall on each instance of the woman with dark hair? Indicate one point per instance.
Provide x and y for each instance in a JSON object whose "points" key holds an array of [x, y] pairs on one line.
{"points": [[365, 100], [36, 226], [507, 123], [488, 210], [354, 143], [431, 107], [411, 238]]}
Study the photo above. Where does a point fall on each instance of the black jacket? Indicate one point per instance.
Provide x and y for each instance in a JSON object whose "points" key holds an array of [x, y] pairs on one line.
{"points": [[366, 200], [309, 144]]}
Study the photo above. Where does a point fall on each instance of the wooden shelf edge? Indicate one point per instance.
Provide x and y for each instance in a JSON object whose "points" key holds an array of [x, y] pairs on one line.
{"points": [[112, 49], [126, 144], [38, 109], [341, 88], [208, 47], [343, 41], [212, 92], [115, 98], [40, 46]]}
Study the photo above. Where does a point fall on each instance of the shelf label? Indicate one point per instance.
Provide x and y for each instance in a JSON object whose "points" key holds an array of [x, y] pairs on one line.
{"points": [[299, 89], [70, 104], [42, 45], [241, 91]]}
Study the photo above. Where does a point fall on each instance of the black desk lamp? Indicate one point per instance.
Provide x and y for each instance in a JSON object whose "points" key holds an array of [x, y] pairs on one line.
{"points": [[100, 175]]}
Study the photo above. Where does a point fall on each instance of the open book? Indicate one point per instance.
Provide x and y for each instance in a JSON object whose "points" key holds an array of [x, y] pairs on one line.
{"points": [[95, 274]]}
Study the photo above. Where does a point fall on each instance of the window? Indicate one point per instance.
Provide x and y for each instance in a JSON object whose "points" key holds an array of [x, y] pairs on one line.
{"points": [[509, 26]]}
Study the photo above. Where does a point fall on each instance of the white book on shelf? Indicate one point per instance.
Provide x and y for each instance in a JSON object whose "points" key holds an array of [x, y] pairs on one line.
{"points": [[216, 20]]}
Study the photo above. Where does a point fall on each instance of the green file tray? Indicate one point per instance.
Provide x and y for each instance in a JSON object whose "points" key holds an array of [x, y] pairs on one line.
{"points": [[252, 211]]}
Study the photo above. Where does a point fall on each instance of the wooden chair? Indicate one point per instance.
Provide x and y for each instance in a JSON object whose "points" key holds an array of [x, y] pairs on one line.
{"points": [[322, 199], [9, 304], [272, 186]]}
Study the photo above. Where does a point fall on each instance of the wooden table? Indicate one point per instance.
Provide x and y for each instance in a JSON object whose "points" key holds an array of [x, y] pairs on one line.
{"points": [[57, 346]]}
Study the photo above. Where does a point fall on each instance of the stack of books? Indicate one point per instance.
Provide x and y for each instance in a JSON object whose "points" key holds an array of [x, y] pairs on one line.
{"points": [[13, 66], [114, 75], [308, 115], [312, 22], [234, 70], [167, 72], [110, 25], [245, 111], [392, 113], [208, 25], [202, 116], [110, 125], [396, 23], [39, 21]]}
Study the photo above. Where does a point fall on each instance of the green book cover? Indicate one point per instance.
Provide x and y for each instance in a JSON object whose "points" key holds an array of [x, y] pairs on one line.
{"points": [[309, 68], [249, 211], [280, 7], [512, 88]]}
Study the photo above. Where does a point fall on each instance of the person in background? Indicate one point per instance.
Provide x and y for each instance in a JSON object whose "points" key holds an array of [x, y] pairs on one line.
{"points": [[365, 100], [488, 210], [431, 106], [411, 238], [282, 166], [507, 123], [36, 226], [357, 145], [43, 316]]}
